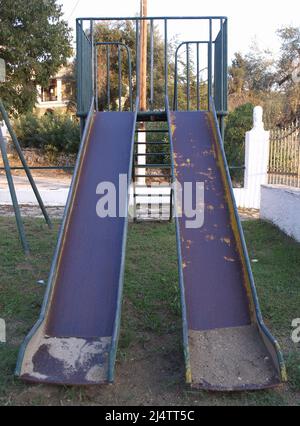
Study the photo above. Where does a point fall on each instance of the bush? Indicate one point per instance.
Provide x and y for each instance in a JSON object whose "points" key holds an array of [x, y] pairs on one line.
{"points": [[239, 122], [52, 133]]}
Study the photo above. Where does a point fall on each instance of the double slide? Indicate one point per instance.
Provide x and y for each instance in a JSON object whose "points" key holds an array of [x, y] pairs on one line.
{"points": [[226, 345]]}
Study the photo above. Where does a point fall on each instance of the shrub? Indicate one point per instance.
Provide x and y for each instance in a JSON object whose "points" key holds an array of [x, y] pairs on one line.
{"points": [[238, 123], [52, 133]]}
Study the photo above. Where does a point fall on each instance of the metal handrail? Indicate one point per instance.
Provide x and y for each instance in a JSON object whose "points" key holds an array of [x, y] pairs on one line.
{"points": [[220, 62], [118, 44], [187, 44]]}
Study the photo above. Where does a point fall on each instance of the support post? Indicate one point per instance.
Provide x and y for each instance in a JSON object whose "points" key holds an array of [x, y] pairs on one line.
{"points": [[143, 56], [13, 194], [24, 163]]}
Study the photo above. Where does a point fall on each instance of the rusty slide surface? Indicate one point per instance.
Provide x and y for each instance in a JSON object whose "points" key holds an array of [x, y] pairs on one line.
{"points": [[227, 349], [74, 343]]}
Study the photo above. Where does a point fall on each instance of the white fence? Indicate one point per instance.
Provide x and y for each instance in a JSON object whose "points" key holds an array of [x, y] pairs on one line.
{"points": [[284, 164]]}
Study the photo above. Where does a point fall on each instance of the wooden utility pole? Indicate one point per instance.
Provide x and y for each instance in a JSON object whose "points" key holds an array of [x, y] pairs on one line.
{"points": [[142, 139], [143, 55]]}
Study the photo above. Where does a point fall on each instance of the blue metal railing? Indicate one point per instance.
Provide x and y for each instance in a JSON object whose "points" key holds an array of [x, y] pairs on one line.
{"points": [[119, 46], [85, 72], [215, 62], [188, 75], [217, 76]]}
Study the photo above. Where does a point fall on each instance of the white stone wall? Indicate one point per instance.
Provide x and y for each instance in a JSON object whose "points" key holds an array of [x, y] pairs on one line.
{"points": [[281, 206]]}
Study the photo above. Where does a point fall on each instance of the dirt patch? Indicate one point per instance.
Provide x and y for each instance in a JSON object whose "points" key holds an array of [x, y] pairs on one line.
{"points": [[230, 358], [249, 214]]}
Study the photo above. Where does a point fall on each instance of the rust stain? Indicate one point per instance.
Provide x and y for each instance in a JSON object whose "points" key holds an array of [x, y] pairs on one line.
{"points": [[207, 153], [207, 175], [173, 125], [210, 208], [229, 259], [187, 164], [226, 241], [189, 244], [210, 238]]}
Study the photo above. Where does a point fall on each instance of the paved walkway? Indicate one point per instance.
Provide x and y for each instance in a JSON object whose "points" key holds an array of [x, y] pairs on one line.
{"points": [[60, 183], [43, 182]]}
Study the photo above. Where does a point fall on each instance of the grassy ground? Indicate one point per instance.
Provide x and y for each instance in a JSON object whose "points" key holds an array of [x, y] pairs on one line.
{"points": [[150, 361]]}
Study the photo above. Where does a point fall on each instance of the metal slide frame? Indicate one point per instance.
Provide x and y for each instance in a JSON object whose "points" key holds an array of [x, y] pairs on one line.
{"points": [[10, 181], [116, 333], [13, 194], [216, 57]]}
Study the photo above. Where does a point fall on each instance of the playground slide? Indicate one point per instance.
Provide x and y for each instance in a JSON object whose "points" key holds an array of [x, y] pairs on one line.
{"points": [[75, 340], [227, 345]]}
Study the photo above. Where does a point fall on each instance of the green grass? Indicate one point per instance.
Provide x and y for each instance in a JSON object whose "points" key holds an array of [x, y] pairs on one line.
{"points": [[150, 360]]}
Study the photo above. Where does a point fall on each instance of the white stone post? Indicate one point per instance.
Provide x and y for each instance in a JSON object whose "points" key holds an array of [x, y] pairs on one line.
{"points": [[59, 90], [39, 94], [5, 132], [256, 159]]}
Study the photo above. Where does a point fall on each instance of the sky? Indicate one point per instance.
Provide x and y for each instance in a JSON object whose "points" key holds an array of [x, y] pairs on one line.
{"points": [[248, 21]]}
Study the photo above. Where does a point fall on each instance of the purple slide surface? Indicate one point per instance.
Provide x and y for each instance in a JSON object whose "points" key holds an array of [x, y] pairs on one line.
{"points": [[226, 351], [73, 344]]}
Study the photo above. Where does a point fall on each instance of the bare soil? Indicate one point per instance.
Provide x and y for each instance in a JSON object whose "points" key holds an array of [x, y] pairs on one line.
{"points": [[238, 357]]}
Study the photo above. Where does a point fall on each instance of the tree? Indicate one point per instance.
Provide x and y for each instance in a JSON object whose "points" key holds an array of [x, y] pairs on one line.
{"points": [[237, 74], [288, 70], [253, 72], [290, 54], [34, 41], [260, 69], [252, 79]]}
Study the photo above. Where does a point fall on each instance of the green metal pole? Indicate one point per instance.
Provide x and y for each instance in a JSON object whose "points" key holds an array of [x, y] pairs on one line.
{"points": [[13, 195], [210, 64], [24, 163], [223, 128]]}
